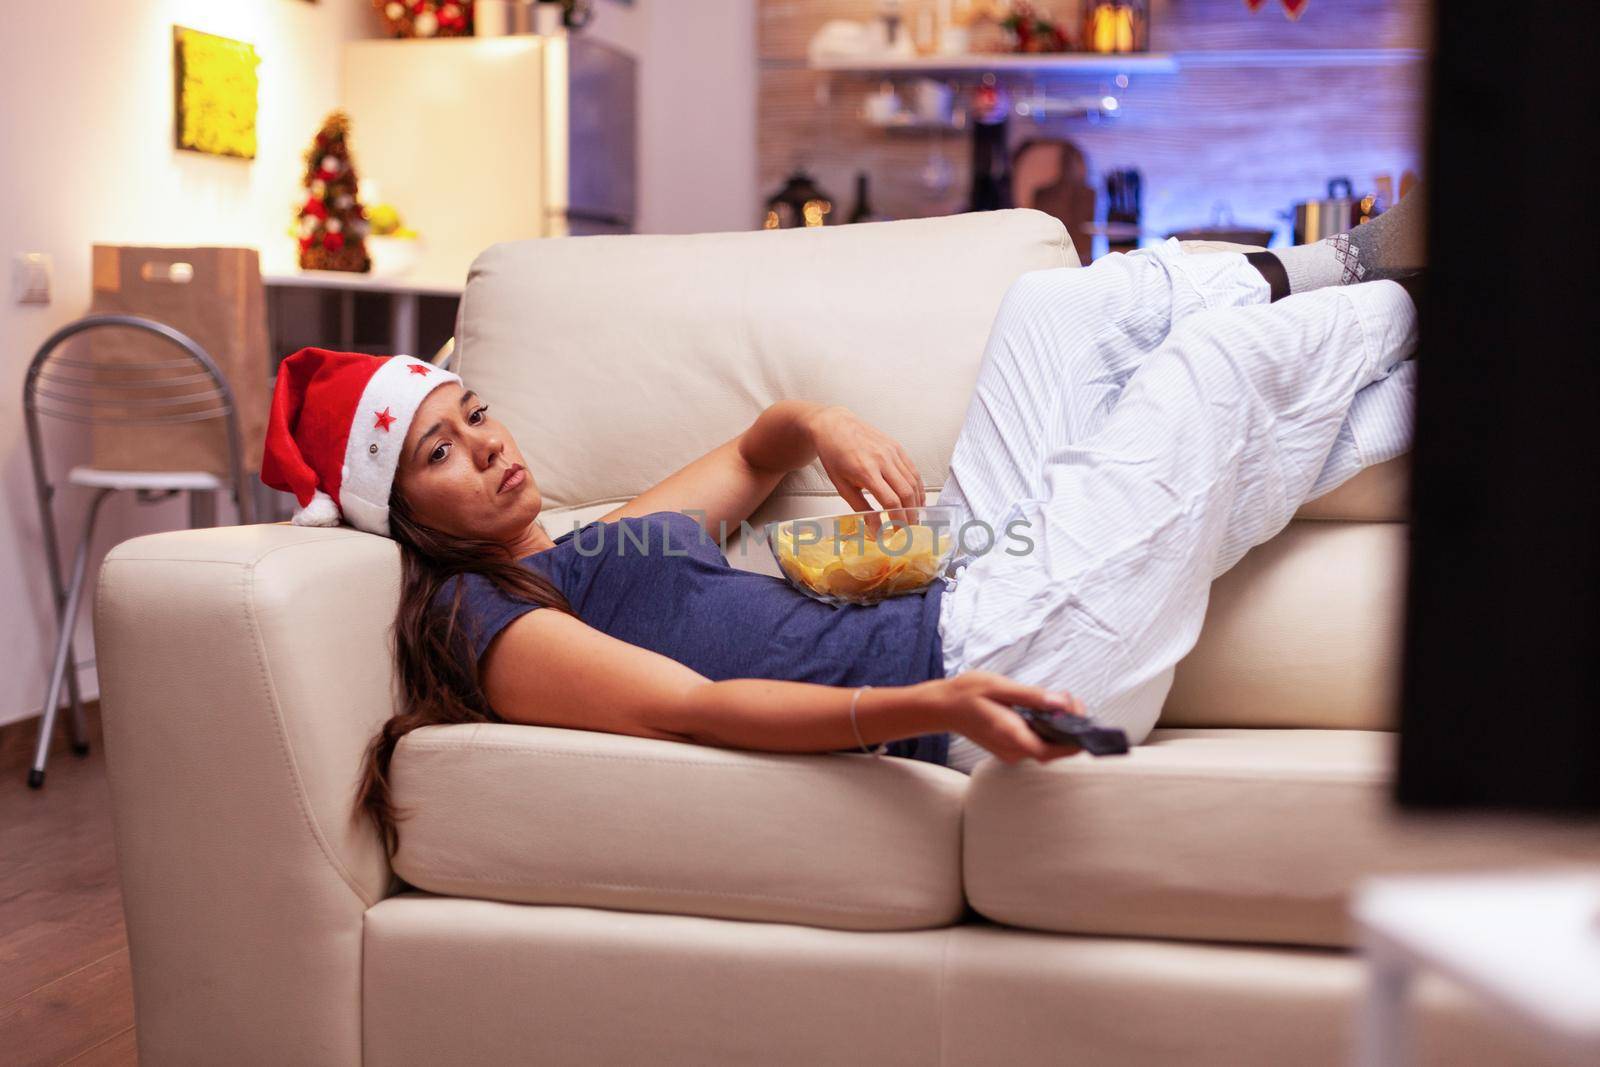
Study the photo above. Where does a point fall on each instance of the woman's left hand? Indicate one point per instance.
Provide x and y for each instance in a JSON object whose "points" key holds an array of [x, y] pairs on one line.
{"points": [[858, 456]]}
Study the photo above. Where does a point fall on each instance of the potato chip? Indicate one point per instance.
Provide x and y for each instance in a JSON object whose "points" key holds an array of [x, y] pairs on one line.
{"points": [[837, 581], [866, 567]]}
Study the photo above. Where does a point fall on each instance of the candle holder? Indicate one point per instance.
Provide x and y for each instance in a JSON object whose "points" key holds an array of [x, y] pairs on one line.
{"points": [[1116, 26]]}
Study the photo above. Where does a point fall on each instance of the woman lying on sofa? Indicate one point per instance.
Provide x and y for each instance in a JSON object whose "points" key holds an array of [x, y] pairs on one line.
{"points": [[1139, 423]]}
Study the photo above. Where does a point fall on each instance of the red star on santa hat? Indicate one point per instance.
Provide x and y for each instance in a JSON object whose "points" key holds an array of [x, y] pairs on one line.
{"points": [[384, 420], [418, 368]]}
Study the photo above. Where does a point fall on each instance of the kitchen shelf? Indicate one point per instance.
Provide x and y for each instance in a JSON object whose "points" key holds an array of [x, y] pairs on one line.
{"points": [[1004, 62], [1038, 106], [1121, 63], [1303, 57], [908, 121]]}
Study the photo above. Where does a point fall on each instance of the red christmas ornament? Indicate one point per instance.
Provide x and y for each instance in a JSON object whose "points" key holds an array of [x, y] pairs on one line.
{"points": [[315, 208], [333, 241], [441, 18], [1292, 8]]}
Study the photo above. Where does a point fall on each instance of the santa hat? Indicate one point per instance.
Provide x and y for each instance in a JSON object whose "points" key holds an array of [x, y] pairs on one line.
{"points": [[335, 432]]}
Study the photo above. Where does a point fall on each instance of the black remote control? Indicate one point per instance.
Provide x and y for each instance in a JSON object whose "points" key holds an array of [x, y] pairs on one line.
{"points": [[1065, 728]]}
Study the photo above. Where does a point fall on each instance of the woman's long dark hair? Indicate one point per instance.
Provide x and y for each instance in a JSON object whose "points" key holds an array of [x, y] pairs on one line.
{"points": [[439, 682]]}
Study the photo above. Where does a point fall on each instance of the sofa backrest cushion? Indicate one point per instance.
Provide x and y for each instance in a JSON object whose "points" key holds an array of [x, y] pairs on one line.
{"points": [[1304, 632], [615, 360]]}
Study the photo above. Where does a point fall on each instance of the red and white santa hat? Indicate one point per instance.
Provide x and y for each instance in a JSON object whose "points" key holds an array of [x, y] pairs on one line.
{"points": [[335, 432]]}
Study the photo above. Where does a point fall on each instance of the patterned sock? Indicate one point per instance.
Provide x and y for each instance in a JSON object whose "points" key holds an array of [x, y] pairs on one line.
{"points": [[1390, 244]]}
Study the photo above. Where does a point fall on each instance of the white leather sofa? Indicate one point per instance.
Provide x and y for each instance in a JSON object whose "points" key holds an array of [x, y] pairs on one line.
{"points": [[571, 897]]}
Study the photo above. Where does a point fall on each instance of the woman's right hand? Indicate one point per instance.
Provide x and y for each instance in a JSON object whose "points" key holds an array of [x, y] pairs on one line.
{"points": [[977, 704]]}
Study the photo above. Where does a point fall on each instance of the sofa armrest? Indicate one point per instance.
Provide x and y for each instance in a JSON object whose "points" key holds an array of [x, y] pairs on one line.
{"points": [[242, 672]]}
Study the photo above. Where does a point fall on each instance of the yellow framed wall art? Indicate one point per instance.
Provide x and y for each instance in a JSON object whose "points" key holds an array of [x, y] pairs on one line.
{"points": [[215, 99]]}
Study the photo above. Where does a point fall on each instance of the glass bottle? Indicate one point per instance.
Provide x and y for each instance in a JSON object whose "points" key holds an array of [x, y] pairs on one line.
{"points": [[863, 210]]}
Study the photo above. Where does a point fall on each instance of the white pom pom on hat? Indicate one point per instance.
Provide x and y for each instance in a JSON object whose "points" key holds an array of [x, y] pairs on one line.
{"points": [[335, 432], [322, 511]]}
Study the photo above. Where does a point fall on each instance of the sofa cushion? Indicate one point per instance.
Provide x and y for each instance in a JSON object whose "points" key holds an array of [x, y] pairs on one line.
{"points": [[1302, 632], [1381, 493], [544, 815], [1220, 835], [452, 981], [614, 360]]}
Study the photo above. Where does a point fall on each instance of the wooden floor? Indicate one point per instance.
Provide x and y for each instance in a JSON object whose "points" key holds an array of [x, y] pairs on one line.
{"points": [[65, 994]]}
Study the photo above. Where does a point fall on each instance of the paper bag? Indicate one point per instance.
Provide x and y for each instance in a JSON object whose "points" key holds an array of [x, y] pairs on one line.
{"points": [[215, 296]]}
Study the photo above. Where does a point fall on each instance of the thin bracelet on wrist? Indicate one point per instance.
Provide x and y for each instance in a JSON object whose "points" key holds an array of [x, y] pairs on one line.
{"points": [[859, 740]]}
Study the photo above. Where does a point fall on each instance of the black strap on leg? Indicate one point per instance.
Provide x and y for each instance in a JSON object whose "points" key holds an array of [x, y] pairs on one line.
{"points": [[1271, 268]]}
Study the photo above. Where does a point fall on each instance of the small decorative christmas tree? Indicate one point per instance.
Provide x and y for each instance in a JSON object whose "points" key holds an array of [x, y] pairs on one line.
{"points": [[333, 224]]}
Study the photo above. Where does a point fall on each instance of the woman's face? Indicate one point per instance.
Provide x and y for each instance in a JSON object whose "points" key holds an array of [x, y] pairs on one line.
{"points": [[452, 471]]}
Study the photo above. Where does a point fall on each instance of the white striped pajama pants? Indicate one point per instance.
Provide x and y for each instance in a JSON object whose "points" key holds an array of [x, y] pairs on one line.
{"points": [[1150, 418]]}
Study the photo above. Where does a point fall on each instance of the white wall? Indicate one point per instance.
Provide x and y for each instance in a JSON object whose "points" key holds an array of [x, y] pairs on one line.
{"points": [[86, 156]]}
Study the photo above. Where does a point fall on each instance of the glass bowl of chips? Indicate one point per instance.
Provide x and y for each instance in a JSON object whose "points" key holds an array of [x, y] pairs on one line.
{"points": [[863, 557]]}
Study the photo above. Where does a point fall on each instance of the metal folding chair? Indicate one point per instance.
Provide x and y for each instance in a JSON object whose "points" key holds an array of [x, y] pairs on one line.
{"points": [[90, 393]]}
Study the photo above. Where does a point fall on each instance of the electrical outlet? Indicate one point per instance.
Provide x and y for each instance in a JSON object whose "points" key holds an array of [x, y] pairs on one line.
{"points": [[30, 278]]}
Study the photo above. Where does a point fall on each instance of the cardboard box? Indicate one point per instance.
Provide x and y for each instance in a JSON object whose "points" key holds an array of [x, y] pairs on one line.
{"points": [[214, 296]]}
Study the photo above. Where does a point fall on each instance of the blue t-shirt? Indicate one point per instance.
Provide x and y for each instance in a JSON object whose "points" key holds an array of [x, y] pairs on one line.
{"points": [[661, 582]]}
